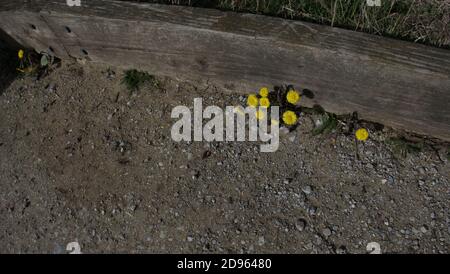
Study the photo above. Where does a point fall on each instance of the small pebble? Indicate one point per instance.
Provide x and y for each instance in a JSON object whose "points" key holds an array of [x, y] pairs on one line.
{"points": [[307, 190], [326, 232], [261, 241]]}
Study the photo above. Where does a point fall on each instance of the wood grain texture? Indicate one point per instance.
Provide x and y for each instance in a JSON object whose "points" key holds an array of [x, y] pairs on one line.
{"points": [[397, 83]]}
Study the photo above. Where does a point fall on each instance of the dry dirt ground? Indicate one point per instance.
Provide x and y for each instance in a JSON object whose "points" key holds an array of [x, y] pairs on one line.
{"points": [[83, 159]]}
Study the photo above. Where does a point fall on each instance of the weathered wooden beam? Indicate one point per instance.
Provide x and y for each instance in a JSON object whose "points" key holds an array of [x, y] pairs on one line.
{"points": [[397, 83]]}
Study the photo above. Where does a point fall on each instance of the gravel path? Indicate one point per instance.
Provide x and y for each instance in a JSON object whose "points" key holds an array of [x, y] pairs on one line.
{"points": [[83, 159]]}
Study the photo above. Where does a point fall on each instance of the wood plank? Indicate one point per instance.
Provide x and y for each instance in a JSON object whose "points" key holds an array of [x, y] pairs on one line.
{"points": [[400, 84]]}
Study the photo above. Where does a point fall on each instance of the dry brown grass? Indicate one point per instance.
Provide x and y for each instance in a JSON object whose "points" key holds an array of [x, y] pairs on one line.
{"points": [[423, 21]]}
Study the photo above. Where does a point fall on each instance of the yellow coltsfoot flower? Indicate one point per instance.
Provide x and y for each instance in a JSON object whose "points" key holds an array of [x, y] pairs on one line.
{"points": [[260, 114], [252, 100], [264, 92], [20, 54], [293, 97], [264, 102], [362, 134], [290, 118]]}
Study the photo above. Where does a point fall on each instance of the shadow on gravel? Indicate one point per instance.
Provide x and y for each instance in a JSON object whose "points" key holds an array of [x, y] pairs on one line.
{"points": [[8, 60]]}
